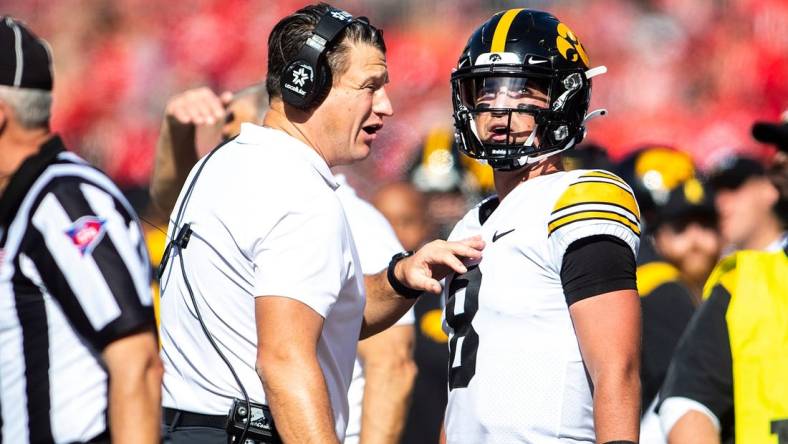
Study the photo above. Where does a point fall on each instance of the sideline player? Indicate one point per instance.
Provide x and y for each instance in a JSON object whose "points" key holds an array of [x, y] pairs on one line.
{"points": [[545, 329], [726, 382]]}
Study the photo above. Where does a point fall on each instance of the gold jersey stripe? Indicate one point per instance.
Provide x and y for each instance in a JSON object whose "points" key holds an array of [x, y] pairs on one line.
{"points": [[502, 30], [598, 192], [604, 175], [592, 215]]}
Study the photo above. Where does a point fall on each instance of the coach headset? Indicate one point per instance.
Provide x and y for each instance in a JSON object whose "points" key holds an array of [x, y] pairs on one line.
{"points": [[304, 83]]}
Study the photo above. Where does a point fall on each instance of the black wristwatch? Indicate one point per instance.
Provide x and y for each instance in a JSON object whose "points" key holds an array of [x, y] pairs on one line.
{"points": [[401, 289]]}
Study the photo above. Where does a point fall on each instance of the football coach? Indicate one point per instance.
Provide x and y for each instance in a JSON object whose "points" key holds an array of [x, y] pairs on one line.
{"points": [[263, 297]]}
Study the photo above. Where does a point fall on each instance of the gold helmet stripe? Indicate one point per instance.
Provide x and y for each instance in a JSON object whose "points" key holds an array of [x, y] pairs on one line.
{"points": [[502, 30]]}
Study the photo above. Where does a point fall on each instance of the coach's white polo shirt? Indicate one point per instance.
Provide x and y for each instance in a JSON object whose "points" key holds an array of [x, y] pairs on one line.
{"points": [[376, 243], [266, 221]]}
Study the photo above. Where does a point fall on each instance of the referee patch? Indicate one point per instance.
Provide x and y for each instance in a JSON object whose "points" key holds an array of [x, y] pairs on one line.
{"points": [[86, 232]]}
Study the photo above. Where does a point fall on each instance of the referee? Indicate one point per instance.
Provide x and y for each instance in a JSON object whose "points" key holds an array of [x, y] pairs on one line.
{"points": [[78, 352]]}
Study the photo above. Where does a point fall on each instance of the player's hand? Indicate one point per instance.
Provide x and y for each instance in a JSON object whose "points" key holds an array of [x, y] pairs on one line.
{"points": [[435, 261], [198, 107]]}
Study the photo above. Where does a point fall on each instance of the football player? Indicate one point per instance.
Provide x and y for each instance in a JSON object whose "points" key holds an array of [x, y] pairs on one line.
{"points": [[545, 329]]}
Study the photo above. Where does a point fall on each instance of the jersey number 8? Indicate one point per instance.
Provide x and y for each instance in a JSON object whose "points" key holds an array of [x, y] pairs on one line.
{"points": [[461, 306]]}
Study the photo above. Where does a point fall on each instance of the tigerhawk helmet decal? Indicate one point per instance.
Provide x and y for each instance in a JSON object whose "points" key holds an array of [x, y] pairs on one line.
{"points": [[521, 89]]}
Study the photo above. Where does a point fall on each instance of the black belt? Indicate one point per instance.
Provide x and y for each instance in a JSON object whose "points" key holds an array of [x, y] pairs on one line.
{"points": [[177, 418], [102, 438]]}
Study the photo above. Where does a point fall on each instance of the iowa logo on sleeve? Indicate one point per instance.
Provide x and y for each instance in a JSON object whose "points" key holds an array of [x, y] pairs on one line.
{"points": [[86, 232]]}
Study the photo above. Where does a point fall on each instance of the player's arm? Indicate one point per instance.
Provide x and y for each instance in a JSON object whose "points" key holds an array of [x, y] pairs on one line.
{"points": [[598, 276], [420, 272], [287, 335], [390, 372], [187, 113], [697, 397], [90, 255]]}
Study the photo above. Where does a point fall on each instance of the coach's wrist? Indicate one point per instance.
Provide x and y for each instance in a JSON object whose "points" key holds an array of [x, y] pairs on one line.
{"points": [[396, 274]]}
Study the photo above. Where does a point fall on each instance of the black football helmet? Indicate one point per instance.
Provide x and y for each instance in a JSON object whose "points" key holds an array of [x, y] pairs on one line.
{"points": [[520, 65]]}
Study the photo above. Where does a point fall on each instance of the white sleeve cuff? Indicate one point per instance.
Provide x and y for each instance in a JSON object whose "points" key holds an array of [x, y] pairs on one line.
{"points": [[674, 408]]}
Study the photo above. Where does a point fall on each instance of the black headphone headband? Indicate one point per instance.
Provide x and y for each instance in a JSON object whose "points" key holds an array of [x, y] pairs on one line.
{"points": [[304, 80]]}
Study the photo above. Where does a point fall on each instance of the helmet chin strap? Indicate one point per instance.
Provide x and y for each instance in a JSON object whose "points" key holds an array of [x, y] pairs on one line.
{"points": [[530, 160]]}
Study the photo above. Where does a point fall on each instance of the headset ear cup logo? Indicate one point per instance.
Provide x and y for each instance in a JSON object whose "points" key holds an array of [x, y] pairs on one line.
{"points": [[569, 46], [341, 15], [299, 79]]}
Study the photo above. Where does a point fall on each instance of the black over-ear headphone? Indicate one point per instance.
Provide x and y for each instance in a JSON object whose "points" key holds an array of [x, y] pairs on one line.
{"points": [[305, 81]]}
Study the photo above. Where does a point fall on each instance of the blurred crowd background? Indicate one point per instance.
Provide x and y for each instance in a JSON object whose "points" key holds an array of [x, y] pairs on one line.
{"points": [[691, 74], [686, 81]]}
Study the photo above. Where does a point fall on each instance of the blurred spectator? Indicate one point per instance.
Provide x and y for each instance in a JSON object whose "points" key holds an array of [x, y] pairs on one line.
{"points": [[132, 53], [451, 182], [406, 209], [686, 234], [589, 156], [777, 135], [686, 237], [653, 171], [656, 173], [747, 204], [726, 382]]}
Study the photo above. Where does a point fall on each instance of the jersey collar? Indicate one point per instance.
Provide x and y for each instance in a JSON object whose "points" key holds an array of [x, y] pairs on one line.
{"points": [[23, 178], [251, 133]]}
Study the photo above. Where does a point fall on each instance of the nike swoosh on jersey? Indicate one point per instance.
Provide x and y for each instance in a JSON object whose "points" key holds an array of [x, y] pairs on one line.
{"points": [[533, 61], [497, 236]]}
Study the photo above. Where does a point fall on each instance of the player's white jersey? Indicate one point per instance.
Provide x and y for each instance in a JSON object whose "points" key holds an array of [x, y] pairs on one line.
{"points": [[515, 370]]}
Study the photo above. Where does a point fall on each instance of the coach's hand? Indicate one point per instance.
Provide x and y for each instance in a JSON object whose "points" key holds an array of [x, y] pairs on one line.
{"points": [[435, 260]]}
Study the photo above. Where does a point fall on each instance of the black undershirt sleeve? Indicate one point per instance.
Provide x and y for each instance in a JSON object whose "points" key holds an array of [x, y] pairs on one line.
{"points": [[596, 265]]}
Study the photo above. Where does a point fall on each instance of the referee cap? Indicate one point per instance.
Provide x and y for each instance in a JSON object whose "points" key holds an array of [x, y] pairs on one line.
{"points": [[25, 59]]}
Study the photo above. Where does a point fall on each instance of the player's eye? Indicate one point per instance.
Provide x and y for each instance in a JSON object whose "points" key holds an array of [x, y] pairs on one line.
{"points": [[486, 97]]}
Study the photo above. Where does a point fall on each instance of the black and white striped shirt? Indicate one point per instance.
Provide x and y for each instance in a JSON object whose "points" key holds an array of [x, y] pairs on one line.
{"points": [[74, 276]]}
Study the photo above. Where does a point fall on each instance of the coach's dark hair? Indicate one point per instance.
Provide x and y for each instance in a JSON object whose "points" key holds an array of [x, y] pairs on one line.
{"points": [[290, 34]]}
